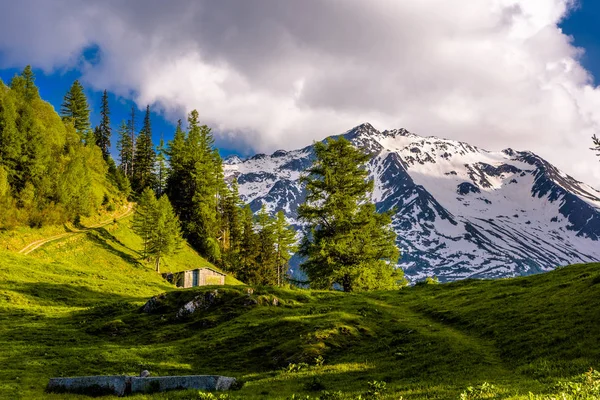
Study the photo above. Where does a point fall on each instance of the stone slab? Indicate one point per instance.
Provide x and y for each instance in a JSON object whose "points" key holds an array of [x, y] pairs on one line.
{"points": [[120, 385]]}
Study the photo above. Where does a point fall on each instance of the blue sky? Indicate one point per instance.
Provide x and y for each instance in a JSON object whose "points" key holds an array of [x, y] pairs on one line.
{"points": [[267, 78], [584, 25]]}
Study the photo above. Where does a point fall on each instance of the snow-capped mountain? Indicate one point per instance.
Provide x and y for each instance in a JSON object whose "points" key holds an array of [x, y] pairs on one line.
{"points": [[460, 211]]}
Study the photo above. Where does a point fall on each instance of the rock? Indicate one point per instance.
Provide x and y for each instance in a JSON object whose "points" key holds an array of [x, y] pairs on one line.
{"points": [[250, 302], [249, 291], [165, 383], [152, 304], [145, 373], [91, 385], [204, 302], [122, 385], [275, 301]]}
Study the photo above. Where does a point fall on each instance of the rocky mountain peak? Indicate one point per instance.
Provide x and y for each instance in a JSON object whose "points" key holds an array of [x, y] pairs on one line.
{"points": [[460, 211]]}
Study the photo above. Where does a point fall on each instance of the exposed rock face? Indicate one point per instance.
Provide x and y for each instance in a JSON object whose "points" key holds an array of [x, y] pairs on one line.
{"points": [[460, 211]]}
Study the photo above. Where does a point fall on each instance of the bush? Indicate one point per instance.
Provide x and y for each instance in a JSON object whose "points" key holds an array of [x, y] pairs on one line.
{"points": [[376, 389], [483, 391]]}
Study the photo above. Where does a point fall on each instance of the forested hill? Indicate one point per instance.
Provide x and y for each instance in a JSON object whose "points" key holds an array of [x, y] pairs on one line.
{"points": [[51, 170]]}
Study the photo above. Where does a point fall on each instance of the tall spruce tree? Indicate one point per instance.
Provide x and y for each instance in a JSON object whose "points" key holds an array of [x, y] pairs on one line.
{"points": [[103, 131], [165, 238], [596, 141], [144, 158], [285, 245], [75, 109], [349, 243], [266, 260], [161, 169], [247, 268], [125, 149], [131, 124]]}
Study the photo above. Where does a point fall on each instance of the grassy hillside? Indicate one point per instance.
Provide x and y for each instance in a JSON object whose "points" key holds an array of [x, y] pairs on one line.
{"points": [[73, 308]]}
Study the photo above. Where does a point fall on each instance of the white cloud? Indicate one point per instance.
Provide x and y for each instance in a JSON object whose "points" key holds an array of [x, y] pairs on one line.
{"points": [[274, 74]]}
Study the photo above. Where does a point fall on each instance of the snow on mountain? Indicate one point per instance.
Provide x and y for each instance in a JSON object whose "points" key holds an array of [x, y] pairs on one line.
{"points": [[460, 211]]}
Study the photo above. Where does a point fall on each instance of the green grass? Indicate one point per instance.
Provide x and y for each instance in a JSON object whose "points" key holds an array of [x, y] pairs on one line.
{"points": [[73, 308]]}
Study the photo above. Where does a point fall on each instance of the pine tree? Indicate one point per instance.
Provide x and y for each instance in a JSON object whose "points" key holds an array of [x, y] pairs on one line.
{"points": [[285, 239], [144, 218], [125, 149], [165, 238], [103, 132], [75, 109], [144, 158], [161, 169], [349, 243], [596, 144]]}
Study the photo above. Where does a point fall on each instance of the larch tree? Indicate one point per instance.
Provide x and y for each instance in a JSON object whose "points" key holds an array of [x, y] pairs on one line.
{"points": [[75, 109], [144, 218], [349, 243], [125, 149], [285, 245], [165, 238]]}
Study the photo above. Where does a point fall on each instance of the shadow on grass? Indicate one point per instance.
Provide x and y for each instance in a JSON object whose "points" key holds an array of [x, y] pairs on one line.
{"points": [[109, 242], [56, 294]]}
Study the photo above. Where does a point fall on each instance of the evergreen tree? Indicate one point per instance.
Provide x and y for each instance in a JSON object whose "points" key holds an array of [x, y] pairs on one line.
{"points": [[144, 158], [125, 149], [131, 124], [165, 238], [75, 109], [179, 176], [231, 227], [194, 186], [596, 144], [103, 132], [266, 260], [161, 169], [349, 243], [144, 218], [285, 239], [249, 249]]}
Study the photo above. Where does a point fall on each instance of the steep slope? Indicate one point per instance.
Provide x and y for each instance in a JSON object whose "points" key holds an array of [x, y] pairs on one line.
{"points": [[461, 211]]}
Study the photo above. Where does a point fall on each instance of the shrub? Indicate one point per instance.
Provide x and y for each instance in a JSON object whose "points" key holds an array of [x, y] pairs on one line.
{"points": [[376, 389], [483, 391]]}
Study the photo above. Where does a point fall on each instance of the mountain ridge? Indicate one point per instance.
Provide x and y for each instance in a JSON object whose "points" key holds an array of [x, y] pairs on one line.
{"points": [[461, 211]]}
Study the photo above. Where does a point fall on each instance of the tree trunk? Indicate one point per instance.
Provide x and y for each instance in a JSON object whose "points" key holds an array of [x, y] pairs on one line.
{"points": [[158, 264]]}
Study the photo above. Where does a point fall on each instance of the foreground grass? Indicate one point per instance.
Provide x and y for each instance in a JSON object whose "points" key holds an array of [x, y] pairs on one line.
{"points": [[73, 308]]}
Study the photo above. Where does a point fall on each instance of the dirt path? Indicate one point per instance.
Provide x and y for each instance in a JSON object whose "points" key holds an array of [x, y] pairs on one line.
{"points": [[39, 243]]}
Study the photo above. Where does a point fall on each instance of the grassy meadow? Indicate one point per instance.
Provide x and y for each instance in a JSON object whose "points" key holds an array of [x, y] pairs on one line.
{"points": [[73, 307]]}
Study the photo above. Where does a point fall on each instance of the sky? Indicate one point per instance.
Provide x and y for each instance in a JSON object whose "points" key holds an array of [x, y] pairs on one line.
{"points": [[271, 74]]}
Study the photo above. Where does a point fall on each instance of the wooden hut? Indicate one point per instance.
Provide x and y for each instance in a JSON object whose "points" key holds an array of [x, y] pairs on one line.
{"points": [[196, 277]]}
